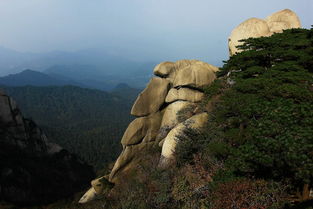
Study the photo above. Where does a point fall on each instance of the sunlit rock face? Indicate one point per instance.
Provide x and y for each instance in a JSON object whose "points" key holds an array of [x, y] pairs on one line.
{"points": [[283, 20], [164, 109], [175, 135], [151, 98], [169, 99], [255, 27], [251, 28]]}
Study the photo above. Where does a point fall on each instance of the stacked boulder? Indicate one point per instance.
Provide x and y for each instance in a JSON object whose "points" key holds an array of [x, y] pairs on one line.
{"points": [[255, 27], [164, 109]]}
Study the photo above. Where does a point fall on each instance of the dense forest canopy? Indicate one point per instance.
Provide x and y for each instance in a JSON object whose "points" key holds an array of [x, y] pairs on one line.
{"points": [[87, 122], [262, 123]]}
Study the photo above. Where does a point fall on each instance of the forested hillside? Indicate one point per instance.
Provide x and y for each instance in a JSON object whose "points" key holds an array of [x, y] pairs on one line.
{"points": [[260, 132], [84, 121]]}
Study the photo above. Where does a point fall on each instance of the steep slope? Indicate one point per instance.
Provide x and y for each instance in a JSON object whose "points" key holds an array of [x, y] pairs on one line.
{"points": [[84, 121], [33, 170]]}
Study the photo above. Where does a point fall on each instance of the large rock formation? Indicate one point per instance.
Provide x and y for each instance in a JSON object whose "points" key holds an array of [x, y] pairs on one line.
{"points": [[165, 109], [170, 103], [33, 170], [254, 27]]}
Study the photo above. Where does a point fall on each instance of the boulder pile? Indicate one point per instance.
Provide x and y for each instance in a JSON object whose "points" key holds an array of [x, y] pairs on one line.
{"points": [[255, 27], [164, 109]]}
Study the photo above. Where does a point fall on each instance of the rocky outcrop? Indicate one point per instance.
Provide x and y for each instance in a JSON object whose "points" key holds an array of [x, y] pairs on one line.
{"points": [[283, 20], [32, 169], [195, 75], [142, 129], [173, 137], [158, 115], [165, 108], [151, 99], [183, 94], [254, 27], [170, 105]]}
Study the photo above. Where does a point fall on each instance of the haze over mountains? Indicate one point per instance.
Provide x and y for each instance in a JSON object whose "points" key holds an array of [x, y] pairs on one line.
{"points": [[91, 68]]}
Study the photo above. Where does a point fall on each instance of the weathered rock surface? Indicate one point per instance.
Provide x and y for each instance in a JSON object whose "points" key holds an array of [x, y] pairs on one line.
{"points": [[185, 94], [254, 27], [162, 116], [97, 185], [164, 69], [169, 70], [171, 140], [128, 159], [140, 128], [283, 20], [90, 195], [194, 76], [152, 97], [251, 28], [32, 169], [176, 113]]}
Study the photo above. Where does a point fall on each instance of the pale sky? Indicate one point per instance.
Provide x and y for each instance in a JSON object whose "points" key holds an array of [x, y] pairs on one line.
{"points": [[138, 29]]}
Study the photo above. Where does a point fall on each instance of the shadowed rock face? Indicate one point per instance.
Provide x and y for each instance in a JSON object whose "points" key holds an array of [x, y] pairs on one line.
{"points": [[254, 27], [33, 170]]}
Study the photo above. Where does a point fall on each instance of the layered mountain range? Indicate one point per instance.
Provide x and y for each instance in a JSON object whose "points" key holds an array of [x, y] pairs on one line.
{"points": [[94, 68], [166, 111]]}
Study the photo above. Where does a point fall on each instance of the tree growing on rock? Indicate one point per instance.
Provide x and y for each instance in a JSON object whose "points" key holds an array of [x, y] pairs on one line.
{"points": [[266, 113]]}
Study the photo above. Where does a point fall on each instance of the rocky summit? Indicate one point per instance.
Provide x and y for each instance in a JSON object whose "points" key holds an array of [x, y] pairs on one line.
{"points": [[255, 27], [168, 106], [33, 170]]}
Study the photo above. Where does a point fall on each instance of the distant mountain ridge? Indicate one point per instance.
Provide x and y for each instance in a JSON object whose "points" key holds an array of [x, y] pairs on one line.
{"points": [[54, 78], [84, 121], [87, 66], [34, 78]]}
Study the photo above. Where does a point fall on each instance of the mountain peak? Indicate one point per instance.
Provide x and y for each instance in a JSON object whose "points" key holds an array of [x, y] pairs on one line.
{"points": [[29, 71], [33, 78], [122, 86]]}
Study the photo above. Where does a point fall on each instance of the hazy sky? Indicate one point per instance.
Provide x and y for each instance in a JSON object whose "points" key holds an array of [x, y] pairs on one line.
{"points": [[139, 29]]}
